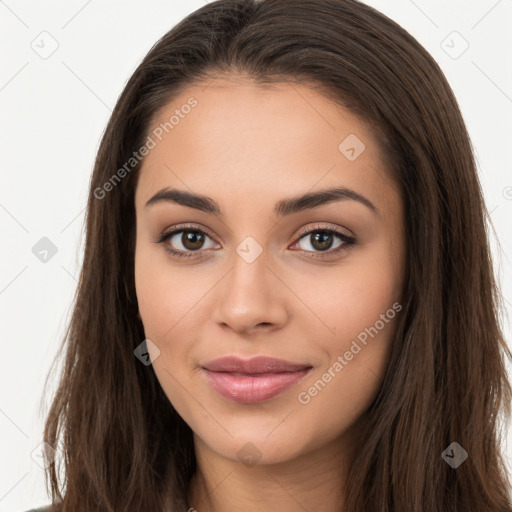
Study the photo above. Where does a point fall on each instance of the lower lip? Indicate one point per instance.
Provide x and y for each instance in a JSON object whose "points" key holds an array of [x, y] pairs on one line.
{"points": [[249, 389]]}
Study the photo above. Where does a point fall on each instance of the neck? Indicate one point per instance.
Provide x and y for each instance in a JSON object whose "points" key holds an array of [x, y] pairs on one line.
{"points": [[312, 481]]}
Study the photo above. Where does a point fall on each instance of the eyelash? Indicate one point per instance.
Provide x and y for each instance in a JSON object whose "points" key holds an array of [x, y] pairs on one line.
{"points": [[348, 241]]}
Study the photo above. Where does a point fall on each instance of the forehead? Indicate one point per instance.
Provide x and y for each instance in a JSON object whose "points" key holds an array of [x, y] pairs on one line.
{"points": [[243, 137]]}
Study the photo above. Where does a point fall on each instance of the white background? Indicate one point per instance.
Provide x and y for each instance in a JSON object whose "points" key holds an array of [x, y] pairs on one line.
{"points": [[53, 113]]}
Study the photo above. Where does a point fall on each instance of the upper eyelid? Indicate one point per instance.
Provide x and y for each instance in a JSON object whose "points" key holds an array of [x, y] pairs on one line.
{"points": [[320, 227], [186, 227]]}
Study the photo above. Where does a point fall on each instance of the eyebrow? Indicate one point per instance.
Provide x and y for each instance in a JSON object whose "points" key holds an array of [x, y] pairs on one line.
{"points": [[281, 209]]}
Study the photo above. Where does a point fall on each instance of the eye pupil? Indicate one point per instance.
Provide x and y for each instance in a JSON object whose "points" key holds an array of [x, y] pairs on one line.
{"points": [[192, 239], [322, 240]]}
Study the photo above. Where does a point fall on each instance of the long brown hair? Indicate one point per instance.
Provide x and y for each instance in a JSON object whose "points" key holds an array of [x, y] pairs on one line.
{"points": [[124, 447]]}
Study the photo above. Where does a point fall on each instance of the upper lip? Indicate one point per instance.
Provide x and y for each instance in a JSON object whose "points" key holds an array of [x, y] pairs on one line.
{"points": [[260, 364]]}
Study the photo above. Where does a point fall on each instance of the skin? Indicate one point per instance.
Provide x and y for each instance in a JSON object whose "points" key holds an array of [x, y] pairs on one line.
{"points": [[248, 147]]}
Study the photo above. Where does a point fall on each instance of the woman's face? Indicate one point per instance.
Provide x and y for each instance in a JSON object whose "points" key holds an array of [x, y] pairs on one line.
{"points": [[273, 265]]}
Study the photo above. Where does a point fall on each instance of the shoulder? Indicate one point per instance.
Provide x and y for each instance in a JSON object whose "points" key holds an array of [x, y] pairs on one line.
{"points": [[42, 509]]}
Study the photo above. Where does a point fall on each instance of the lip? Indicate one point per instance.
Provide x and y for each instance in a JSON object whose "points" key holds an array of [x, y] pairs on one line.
{"points": [[253, 380]]}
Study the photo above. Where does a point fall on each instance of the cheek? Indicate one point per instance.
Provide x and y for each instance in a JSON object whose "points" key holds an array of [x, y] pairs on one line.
{"points": [[165, 297], [363, 313], [152, 296], [360, 305], [166, 304], [354, 296]]}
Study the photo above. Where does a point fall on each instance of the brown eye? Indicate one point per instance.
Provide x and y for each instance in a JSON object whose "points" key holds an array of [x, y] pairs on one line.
{"points": [[324, 242], [188, 240], [192, 240], [185, 241], [320, 241]]}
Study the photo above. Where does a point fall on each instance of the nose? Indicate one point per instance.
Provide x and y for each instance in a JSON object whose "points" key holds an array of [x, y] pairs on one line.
{"points": [[251, 297]]}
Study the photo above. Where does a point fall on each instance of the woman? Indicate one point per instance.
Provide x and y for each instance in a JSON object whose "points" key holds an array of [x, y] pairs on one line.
{"points": [[286, 300]]}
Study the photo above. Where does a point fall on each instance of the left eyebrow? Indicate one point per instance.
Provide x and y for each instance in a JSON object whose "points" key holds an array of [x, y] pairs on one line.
{"points": [[285, 207]]}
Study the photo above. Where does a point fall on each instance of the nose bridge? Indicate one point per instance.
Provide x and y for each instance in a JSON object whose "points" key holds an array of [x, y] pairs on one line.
{"points": [[249, 293], [248, 281], [250, 263]]}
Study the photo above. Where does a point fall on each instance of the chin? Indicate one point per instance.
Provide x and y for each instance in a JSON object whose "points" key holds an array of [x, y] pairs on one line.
{"points": [[259, 446]]}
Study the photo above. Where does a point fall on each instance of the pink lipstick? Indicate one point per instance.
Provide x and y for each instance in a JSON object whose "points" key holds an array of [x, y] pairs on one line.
{"points": [[253, 380]]}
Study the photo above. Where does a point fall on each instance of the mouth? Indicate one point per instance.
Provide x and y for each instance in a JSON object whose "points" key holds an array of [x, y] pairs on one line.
{"points": [[254, 380]]}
